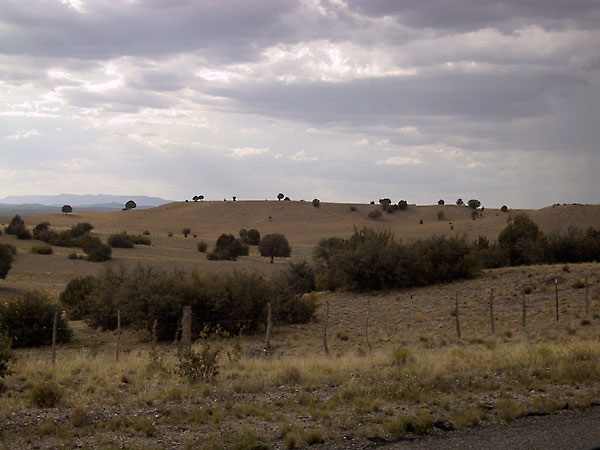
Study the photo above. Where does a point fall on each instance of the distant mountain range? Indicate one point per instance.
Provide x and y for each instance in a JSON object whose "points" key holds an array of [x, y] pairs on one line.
{"points": [[48, 204]]}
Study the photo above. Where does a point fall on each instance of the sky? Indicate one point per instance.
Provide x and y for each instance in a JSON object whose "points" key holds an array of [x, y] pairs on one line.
{"points": [[341, 100]]}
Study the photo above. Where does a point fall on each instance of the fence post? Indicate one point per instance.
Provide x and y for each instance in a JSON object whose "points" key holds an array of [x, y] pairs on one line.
{"points": [[118, 332], [493, 325], [456, 314], [586, 296], [367, 323], [524, 309], [412, 320], [186, 337], [556, 296], [268, 340], [325, 328], [54, 330]]}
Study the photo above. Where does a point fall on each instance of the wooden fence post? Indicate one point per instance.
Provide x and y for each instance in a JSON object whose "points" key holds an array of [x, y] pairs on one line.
{"points": [[268, 340], [54, 330], [412, 320], [118, 332], [586, 296], [524, 309], [325, 328], [456, 315], [556, 296], [367, 323], [493, 325], [186, 335]]}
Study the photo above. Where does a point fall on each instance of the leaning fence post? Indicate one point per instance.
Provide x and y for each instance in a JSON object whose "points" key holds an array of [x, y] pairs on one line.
{"points": [[556, 296], [412, 320], [325, 328], [586, 296], [456, 315], [118, 332], [524, 309], [367, 323], [268, 340], [493, 326], [186, 338], [54, 330]]}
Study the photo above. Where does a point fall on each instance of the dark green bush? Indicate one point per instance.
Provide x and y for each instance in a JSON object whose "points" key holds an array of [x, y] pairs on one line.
{"points": [[141, 240], [6, 259], [300, 277], [40, 229], [16, 224], [80, 229], [76, 296], [95, 250], [202, 246], [250, 237], [121, 240], [28, 320], [41, 250], [228, 248], [23, 233]]}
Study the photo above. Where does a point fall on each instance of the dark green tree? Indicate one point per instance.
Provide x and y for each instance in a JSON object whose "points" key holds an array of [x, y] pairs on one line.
{"points": [[130, 205], [6, 259], [66, 209], [274, 245]]}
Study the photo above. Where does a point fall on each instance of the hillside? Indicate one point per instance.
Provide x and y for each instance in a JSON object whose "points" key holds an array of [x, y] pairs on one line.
{"points": [[304, 224]]}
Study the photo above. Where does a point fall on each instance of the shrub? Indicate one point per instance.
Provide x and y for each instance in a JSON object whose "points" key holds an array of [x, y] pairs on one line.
{"points": [[40, 229], [6, 259], [46, 394], [253, 237], [23, 233], [228, 248], [141, 240], [80, 229], [5, 354], [440, 215], [353, 208], [16, 223], [73, 255], [202, 246], [199, 366], [473, 203], [28, 320], [375, 214], [95, 250], [146, 233], [186, 231], [316, 202], [41, 250], [76, 296], [300, 277], [274, 245], [121, 240]]}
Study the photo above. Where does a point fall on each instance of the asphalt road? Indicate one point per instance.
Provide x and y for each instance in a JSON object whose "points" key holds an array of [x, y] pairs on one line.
{"points": [[566, 430]]}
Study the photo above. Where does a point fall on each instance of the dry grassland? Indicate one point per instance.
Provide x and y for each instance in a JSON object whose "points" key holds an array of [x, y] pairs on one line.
{"points": [[294, 395]]}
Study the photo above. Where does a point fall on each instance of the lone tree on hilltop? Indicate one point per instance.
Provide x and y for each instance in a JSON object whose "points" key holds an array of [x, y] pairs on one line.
{"points": [[441, 202], [280, 196], [460, 202], [474, 203], [272, 245], [316, 202], [402, 205], [130, 205], [6, 259], [186, 231], [67, 209], [504, 208]]}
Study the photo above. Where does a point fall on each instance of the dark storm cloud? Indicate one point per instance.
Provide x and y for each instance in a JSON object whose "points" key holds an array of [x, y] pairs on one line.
{"points": [[469, 15], [232, 30]]}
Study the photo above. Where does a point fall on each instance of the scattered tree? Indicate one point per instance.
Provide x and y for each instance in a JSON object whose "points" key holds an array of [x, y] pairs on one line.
{"points": [[316, 202], [66, 209], [130, 205], [274, 245], [250, 237], [186, 231], [280, 196], [202, 246], [234, 197], [474, 203], [228, 248], [402, 205], [385, 202], [504, 208], [460, 202], [441, 202], [287, 199]]}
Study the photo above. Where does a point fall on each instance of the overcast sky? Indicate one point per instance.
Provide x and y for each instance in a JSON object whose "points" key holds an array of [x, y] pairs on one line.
{"points": [[343, 100]]}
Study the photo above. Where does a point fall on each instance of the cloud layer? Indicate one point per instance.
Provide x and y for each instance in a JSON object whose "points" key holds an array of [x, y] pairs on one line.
{"points": [[340, 100]]}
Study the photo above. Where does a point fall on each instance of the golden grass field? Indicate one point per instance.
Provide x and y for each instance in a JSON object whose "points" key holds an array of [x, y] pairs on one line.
{"points": [[295, 395]]}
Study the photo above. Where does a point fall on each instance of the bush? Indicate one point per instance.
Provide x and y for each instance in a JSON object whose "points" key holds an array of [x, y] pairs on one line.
{"points": [[201, 366], [41, 250], [6, 259], [16, 223], [252, 237], [80, 229], [40, 229], [228, 248], [375, 214], [146, 233], [186, 231], [300, 277], [23, 233], [28, 320], [202, 246], [95, 250], [274, 245], [6, 354], [440, 215], [121, 240], [46, 394], [76, 296], [141, 240], [353, 208]]}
